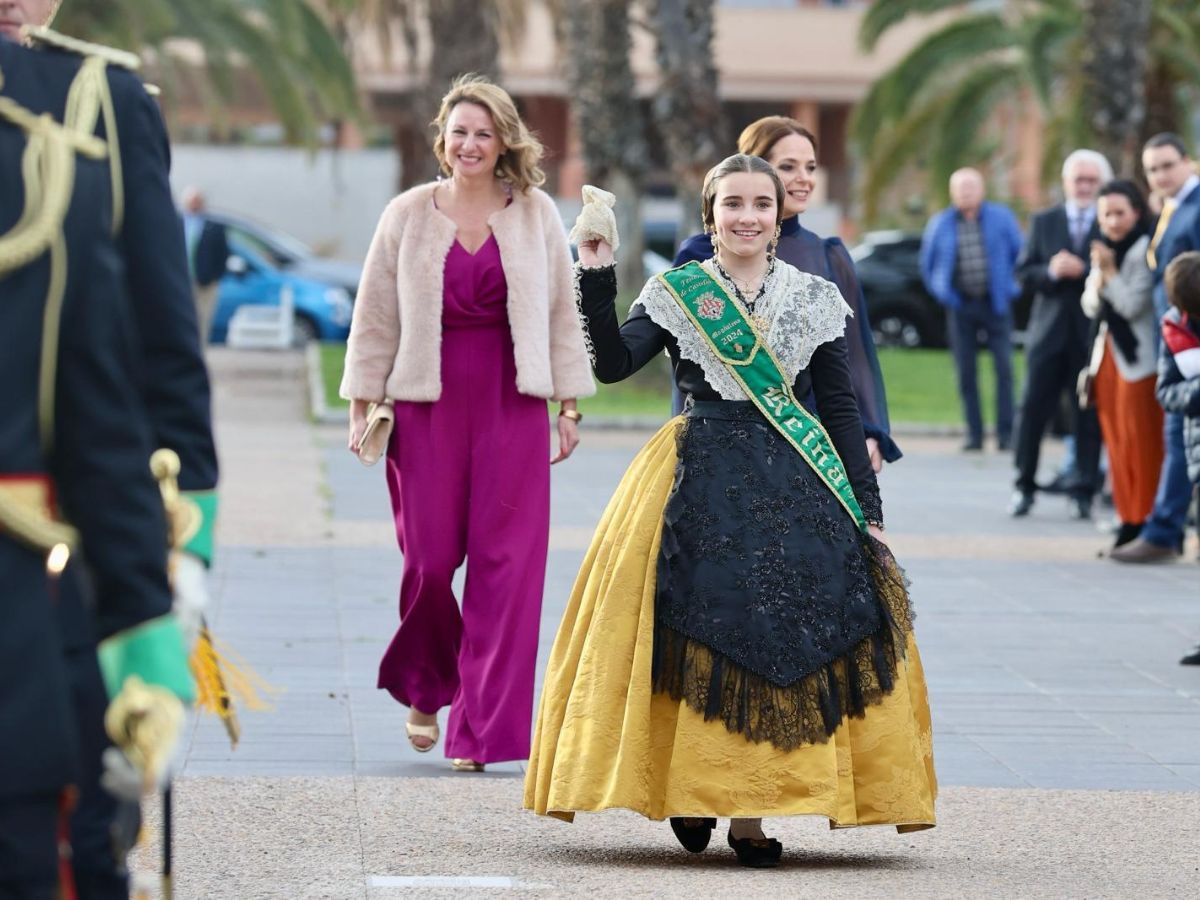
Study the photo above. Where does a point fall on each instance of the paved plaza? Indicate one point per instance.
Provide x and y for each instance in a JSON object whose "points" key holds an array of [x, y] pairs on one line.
{"points": [[1067, 737]]}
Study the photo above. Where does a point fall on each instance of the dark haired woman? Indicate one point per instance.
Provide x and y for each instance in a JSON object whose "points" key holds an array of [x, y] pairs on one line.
{"points": [[739, 640], [1124, 363]]}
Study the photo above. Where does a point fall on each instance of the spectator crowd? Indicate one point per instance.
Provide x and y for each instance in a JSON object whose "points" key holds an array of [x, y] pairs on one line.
{"points": [[1114, 327]]}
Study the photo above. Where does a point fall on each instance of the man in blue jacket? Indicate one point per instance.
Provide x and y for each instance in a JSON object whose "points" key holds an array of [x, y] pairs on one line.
{"points": [[967, 257]]}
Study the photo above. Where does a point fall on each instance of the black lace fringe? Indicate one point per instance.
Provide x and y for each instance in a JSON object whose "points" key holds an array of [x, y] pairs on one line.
{"points": [[809, 711]]}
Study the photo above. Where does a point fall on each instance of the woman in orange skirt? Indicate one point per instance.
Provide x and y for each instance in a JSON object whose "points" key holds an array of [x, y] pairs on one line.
{"points": [[1124, 361]]}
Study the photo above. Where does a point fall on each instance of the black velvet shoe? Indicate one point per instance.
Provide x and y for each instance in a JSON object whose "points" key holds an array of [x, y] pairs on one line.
{"points": [[756, 854], [1193, 658], [693, 834]]}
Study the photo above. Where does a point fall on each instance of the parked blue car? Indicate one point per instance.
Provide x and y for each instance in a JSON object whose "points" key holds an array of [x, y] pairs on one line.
{"points": [[263, 261]]}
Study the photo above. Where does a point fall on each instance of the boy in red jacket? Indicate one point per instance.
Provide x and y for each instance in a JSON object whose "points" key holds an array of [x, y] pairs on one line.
{"points": [[1178, 387]]}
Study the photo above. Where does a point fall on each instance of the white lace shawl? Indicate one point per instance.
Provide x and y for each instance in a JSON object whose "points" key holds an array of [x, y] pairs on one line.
{"points": [[802, 311]]}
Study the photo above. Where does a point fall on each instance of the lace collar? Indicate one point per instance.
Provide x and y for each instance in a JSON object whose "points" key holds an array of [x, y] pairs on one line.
{"points": [[797, 313]]}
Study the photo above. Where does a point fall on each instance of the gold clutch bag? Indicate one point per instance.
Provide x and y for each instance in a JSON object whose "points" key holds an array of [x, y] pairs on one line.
{"points": [[373, 444]]}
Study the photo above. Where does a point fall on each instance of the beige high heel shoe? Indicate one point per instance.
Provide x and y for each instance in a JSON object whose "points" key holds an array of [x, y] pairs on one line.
{"points": [[466, 765], [432, 732]]}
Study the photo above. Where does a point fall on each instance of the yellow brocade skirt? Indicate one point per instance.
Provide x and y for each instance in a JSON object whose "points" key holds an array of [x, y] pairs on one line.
{"points": [[605, 740]]}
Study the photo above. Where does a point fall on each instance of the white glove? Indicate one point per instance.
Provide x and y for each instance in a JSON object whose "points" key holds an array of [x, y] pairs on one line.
{"points": [[596, 219], [121, 777], [189, 581]]}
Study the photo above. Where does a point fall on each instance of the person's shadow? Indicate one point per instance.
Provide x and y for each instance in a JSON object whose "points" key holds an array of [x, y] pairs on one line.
{"points": [[718, 856]]}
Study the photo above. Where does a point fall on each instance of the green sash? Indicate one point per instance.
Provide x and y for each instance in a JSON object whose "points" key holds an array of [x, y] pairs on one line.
{"points": [[736, 342]]}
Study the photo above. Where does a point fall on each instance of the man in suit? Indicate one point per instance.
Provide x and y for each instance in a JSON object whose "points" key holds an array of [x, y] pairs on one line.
{"points": [[1054, 264], [169, 370], [208, 255], [1172, 177], [76, 496], [967, 257]]}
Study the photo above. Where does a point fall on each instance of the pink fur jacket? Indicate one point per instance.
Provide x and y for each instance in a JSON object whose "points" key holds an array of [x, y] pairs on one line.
{"points": [[396, 335]]}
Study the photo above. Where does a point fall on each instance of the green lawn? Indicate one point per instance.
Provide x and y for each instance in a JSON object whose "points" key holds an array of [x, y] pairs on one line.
{"points": [[332, 358], [922, 388], [920, 384]]}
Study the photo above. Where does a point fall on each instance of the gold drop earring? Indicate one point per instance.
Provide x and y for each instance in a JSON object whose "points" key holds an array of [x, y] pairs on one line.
{"points": [[712, 236], [774, 242]]}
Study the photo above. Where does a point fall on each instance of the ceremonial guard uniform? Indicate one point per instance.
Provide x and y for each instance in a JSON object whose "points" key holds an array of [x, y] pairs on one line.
{"points": [[102, 93], [74, 444], [93, 90]]}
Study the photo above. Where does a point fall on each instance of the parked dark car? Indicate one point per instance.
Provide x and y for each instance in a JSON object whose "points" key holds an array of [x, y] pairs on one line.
{"points": [[903, 313]]}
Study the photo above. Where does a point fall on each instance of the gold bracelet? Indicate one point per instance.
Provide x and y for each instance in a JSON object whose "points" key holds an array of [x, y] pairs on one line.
{"points": [[573, 414]]}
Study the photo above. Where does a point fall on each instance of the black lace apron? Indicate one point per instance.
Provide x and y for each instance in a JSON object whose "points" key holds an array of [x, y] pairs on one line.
{"points": [[774, 613]]}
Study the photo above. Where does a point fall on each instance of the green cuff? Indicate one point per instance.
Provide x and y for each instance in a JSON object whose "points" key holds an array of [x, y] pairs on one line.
{"points": [[200, 544], [154, 651]]}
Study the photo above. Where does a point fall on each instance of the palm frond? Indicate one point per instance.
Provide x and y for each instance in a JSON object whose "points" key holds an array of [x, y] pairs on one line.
{"points": [[1176, 24], [965, 40], [884, 14], [965, 112], [286, 98], [286, 44], [893, 149], [334, 75], [1183, 61], [1043, 37]]}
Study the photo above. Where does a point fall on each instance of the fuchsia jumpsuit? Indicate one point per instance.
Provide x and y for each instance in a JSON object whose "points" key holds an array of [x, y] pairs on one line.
{"points": [[469, 477]]}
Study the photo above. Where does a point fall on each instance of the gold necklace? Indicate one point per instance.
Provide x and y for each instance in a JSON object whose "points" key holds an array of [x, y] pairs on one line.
{"points": [[750, 306]]}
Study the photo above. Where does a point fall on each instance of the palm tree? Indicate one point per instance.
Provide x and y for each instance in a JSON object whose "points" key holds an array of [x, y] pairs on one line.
{"points": [[1172, 67], [687, 106], [935, 105], [285, 43], [464, 36], [595, 37], [1056, 60], [1115, 50]]}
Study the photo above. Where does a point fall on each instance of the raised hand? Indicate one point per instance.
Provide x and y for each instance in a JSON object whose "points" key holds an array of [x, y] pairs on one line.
{"points": [[595, 252]]}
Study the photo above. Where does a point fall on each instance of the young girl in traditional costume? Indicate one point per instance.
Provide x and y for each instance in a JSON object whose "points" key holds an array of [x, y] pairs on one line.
{"points": [[739, 639]]}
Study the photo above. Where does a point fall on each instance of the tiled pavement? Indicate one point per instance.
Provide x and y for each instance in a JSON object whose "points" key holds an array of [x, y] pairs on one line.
{"points": [[1047, 667]]}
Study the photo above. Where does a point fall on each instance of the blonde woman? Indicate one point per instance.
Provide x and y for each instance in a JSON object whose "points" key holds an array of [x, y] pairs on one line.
{"points": [[466, 318], [739, 640]]}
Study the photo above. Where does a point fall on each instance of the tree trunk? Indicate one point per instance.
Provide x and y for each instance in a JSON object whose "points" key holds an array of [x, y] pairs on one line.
{"points": [[687, 107], [627, 187], [463, 39], [1115, 39], [1163, 110], [608, 116]]}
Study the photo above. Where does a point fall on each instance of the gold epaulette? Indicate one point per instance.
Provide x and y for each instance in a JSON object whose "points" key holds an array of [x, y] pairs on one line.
{"points": [[40, 34]]}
